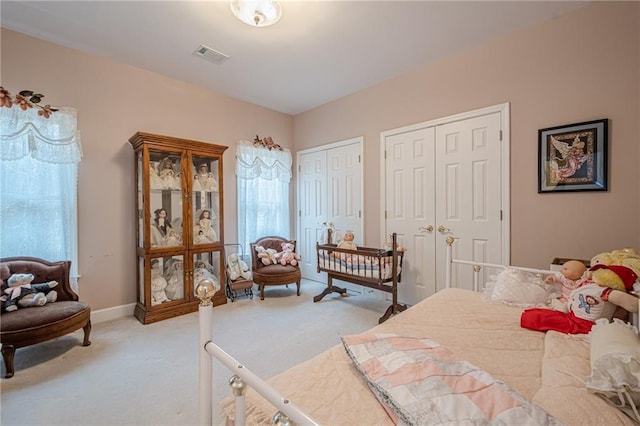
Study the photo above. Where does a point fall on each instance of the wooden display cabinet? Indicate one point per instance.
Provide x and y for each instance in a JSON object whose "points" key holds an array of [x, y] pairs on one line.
{"points": [[179, 232]]}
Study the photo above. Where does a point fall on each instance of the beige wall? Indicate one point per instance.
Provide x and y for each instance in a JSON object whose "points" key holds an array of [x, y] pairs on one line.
{"points": [[579, 67], [113, 102]]}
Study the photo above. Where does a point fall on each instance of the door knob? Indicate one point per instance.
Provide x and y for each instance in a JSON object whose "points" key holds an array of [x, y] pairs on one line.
{"points": [[443, 229], [427, 228]]}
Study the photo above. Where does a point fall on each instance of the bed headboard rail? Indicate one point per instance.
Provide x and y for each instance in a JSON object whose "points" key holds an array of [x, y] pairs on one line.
{"points": [[635, 318], [477, 267]]}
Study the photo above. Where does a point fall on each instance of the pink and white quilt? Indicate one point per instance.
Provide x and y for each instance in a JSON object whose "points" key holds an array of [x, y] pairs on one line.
{"points": [[420, 382]]}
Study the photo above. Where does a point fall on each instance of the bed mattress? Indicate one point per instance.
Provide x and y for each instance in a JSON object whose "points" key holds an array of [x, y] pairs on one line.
{"points": [[546, 369]]}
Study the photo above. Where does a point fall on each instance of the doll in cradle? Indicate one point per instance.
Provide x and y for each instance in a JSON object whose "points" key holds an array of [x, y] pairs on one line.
{"points": [[347, 241]]}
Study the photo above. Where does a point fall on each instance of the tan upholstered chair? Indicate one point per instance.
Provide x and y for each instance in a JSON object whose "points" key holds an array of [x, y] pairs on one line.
{"points": [[277, 274], [28, 326]]}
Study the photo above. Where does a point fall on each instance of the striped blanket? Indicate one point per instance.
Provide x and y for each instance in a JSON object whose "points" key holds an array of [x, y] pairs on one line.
{"points": [[420, 383]]}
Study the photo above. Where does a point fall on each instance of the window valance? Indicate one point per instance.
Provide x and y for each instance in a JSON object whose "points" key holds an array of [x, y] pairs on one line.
{"points": [[52, 140], [269, 164]]}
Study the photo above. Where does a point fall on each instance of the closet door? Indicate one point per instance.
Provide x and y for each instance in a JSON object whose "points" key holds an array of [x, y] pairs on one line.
{"points": [[344, 189], [468, 199], [312, 209], [329, 190], [410, 212], [447, 178]]}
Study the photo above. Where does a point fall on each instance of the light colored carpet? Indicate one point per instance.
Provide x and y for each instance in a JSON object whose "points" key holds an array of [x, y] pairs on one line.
{"points": [[134, 374]]}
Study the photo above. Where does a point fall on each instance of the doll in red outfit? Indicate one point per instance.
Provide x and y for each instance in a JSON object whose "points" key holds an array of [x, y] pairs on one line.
{"points": [[597, 297]]}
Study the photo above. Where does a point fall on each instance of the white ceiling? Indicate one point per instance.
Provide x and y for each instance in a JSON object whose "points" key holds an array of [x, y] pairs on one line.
{"points": [[318, 52]]}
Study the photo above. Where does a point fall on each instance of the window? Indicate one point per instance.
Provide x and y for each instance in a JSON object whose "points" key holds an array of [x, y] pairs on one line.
{"points": [[263, 192], [38, 185]]}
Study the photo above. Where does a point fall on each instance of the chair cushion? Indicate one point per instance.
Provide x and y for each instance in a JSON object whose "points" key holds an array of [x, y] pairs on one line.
{"points": [[32, 318]]}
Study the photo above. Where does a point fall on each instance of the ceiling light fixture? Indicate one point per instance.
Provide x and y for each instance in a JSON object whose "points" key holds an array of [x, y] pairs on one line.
{"points": [[257, 13]]}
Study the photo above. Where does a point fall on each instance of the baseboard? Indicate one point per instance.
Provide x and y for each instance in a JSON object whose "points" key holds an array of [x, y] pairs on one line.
{"points": [[109, 314]]}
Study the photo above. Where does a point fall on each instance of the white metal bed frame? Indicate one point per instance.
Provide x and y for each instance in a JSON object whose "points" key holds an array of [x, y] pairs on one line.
{"points": [[288, 413]]}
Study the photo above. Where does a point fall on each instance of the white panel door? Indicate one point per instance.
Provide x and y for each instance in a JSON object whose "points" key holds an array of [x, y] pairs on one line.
{"points": [[329, 190], [410, 197], [468, 199], [344, 189], [313, 208], [446, 180]]}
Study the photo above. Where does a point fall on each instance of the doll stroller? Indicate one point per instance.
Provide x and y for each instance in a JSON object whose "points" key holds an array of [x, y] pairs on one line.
{"points": [[238, 272]]}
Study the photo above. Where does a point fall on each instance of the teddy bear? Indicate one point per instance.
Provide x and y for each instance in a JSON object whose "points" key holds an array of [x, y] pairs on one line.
{"points": [[237, 268], [20, 293], [266, 256], [609, 276], [604, 289], [288, 256], [626, 257]]}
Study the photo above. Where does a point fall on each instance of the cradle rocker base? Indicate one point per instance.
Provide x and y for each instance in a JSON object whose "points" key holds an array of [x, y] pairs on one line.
{"points": [[329, 290], [391, 311]]}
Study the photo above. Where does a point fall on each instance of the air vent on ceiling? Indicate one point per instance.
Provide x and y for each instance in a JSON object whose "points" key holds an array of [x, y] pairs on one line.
{"points": [[210, 55]]}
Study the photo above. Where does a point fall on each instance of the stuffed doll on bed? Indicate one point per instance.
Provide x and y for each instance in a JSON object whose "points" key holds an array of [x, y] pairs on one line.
{"points": [[605, 287], [569, 278]]}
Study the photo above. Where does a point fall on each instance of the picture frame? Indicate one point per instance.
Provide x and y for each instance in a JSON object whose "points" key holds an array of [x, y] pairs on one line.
{"points": [[573, 157]]}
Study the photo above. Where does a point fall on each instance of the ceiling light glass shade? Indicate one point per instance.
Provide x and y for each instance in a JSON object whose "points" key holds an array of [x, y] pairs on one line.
{"points": [[257, 13]]}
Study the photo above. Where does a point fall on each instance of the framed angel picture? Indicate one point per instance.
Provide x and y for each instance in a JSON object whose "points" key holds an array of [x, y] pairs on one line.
{"points": [[573, 157]]}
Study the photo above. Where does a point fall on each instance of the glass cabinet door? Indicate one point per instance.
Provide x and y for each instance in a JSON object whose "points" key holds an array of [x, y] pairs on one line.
{"points": [[165, 199], [205, 200], [167, 280]]}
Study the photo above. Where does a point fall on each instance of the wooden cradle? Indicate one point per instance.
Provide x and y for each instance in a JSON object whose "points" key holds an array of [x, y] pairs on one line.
{"points": [[375, 268]]}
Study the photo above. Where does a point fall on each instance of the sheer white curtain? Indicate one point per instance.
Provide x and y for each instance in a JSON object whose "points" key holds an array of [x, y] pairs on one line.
{"points": [[263, 192], [38, 185]]}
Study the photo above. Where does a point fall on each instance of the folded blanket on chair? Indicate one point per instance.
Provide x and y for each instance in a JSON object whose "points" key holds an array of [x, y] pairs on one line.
{"points": [[421, 383]]}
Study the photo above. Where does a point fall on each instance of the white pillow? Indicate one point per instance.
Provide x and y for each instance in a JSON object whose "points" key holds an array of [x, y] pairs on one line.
{"points": [[516, 287], [615, 365]]}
